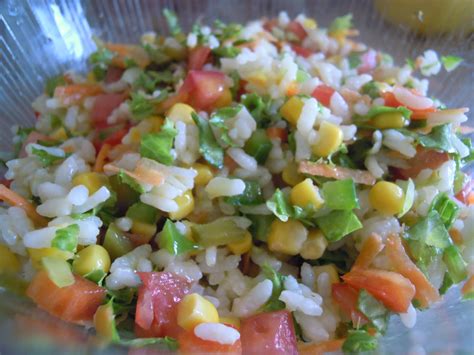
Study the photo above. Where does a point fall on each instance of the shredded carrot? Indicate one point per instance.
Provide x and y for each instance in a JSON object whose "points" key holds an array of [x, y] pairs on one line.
{"points": [[456, 236], [336, 172], [470, 198], [468, 286], [277, 132], [14, 199], [320, 348], [101, 157], [130, 52], [292, 89], [372, 246], [142, 173], [426, 293]]}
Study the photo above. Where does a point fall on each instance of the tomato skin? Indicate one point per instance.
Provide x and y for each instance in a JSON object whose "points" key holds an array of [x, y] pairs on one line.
{"points": [[347, 297], [158, 298], [103, 106], [76, 303], [302, 51], [323, 94], [113, 74], [424, 159], [268, 333], [417, 114], [198, 57], [392, 289], [297, 29], [201, 89], [189, 343]]}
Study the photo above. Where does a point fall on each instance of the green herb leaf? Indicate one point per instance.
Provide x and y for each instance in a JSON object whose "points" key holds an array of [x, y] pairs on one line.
{"points": [[173, 241], [225, 31], [260, 109], [373, 310], [97, 276], [260, 226], [340, 24], [340, 195], [277, 279], [280, 206], [411, 63], [456, 265], [66, 238], [259, 146], [251, 196], [440, 138], [359, 341], [226, 51], [140, 107], [141, 212], [354, 60], [167, 343], [100, 61], [447, 283], [46, 158], [451, 62], [337, 224], [208, 146], [447, 209], [149, 80], [408, 188], [372, 89], [157, 146], [172, 21], [124, 178], [52, 83], [218, 119]]}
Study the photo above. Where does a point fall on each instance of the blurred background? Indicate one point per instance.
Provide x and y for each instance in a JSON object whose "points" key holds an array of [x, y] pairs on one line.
{"points": [[41, 38]]}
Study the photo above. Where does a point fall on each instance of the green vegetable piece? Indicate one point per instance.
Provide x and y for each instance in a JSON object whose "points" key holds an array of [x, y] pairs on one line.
{"points": [[142, 212], [280, 206], [66, 238], [46, 158], [340, 24], [340, 195], [277, 279], [58, 270], [373, 310], [378, 110], [447, 283], [354, 59], [260, 108], [226, 51], [222, 231], [359, 341], [208, 146], [172, 21], [251, 196], [173, 241], [261, 226], [456, 265], [116, 242], [408, 188], [372, 89], [157, 146], [104, 322], [259, 146], [302, 76], [166, 343], [338, 224], [149, 80], [140, 107], [447, 209], [218, 119], [451, 62], [97, 276], [440, 138], [126, 195], [128, 180], [52, 83]]}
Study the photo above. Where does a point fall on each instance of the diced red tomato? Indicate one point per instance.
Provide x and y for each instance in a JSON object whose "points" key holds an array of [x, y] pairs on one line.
{"points": [[392, 289], [113, 74], [33, 137], [76, 303], [111, 135], [346, 297], [190, 344], [417, 114], [323, 94], [390, 99], [302, 51], [6, 182], [201, 89], [297, 29], [466, 191], [268, 333], [369, 62], [103, 106], [158, 298], [424, 159], [277, 132], [198, 57]]}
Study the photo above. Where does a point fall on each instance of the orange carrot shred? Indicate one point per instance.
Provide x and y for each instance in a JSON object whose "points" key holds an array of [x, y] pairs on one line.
{"points": [[468, 286], [101, 157], [371, 248], [14, 199]]}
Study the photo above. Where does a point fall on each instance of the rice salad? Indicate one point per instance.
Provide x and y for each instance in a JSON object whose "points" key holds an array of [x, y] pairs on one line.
{"points": [[274, 187]]}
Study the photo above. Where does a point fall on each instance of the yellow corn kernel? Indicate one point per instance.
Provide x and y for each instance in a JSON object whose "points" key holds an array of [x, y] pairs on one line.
{"points": [[259, 79], [224, 100], [185, 205], [59, 134], [91, 258], [144, 229], [330, 138], [391, 81], [386, 197], [310, 24], [287, 237], [155, 123], [241, 247], [195, 309], [388, 120], [314, 246], [93, 181], [181, 112], [8, 260], [290, 174], [329, 269], [291, 110], [306, 193], [204, 174], [234, 321], [37, 254]]}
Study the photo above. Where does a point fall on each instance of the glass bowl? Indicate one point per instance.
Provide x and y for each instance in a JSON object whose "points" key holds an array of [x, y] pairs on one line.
{"points": [[42, 38]]}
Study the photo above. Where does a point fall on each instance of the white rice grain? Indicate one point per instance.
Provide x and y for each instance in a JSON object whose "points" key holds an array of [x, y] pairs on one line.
{"points": [[217, 332], [220, 186]]}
